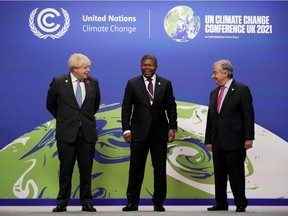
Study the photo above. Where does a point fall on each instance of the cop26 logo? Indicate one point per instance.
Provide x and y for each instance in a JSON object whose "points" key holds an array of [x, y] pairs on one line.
{"points": [[46, 23]]}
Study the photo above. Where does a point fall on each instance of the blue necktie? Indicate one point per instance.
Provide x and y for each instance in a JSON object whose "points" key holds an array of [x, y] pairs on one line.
{"points": [[78, 93]]}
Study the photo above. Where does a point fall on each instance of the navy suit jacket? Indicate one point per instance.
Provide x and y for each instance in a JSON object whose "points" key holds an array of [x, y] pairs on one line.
{"points": [[61, 103], [235, 122], [138, 115]]}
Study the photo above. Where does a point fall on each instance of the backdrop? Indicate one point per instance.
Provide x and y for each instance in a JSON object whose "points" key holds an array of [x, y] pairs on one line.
{"points": [[37, 38]]}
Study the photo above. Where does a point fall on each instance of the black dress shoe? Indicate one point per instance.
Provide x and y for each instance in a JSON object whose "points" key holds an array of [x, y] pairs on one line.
{"points": [[130, 207], [241, 209], [159, 207], [60, 208], [88, 208], [218, 207]]}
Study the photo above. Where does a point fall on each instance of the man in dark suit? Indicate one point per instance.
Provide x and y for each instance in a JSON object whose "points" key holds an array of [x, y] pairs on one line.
{"points": [[149, 121], [229, 133], [73, 99]]}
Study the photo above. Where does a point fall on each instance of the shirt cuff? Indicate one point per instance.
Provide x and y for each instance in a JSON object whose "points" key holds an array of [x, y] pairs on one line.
{"points": [[127, 131]]}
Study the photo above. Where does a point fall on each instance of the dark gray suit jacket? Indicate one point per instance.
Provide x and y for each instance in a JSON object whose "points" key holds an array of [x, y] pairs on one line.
{"points": [[138, 115], [62, 104], [235, 122]]}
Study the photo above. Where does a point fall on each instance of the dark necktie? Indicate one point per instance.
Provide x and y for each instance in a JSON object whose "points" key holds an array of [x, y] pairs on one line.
{"points": [[79, 93], [150, 89], [219, 99]]}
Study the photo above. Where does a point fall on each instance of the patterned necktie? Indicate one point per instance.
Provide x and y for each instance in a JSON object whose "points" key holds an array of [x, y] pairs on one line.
{"points": [[150, 89], [79, 93], [219, 99]]}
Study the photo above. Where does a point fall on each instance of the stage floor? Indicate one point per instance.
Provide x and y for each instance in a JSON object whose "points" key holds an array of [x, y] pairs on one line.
{"points": [[143, 210]]}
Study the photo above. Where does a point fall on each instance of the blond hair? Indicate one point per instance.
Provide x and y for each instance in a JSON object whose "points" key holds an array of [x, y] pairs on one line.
{"points": [[77, 60]]}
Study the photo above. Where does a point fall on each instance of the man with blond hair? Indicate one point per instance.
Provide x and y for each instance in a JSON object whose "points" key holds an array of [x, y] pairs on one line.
{"points": [[73, 99]]}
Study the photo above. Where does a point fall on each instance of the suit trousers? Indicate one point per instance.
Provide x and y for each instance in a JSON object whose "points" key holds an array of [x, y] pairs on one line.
{"points": [[68, 153], [138, 156], [230, 164]]}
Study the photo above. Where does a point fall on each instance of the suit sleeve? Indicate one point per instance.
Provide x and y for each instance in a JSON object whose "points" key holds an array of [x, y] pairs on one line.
{"points": [[98, 96], [208, 139], [248, 114], [126, 108], [208, 132], [51, 101], [171, 108]]}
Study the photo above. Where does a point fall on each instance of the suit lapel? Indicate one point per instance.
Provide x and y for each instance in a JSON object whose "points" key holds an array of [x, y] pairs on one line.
{"points": [[87, 88], [214, 98], [157, 89], [229, 94], [141, 85], [69, 86], [70, 90]]}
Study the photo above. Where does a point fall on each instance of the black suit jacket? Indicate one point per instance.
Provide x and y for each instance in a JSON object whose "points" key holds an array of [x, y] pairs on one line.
{"points": [[235, 122], [61, 103], [138, 115]]}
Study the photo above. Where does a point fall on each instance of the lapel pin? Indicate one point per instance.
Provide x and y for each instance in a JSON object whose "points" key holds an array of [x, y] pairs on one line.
{"points": [[66, 81]]}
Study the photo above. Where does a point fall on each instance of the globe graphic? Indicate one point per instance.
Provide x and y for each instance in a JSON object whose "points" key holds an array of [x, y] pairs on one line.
{"points": [[32, 161], [181, 24]]}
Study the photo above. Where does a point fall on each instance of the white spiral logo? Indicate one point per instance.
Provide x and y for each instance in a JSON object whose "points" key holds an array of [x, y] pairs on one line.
{"points": [[42, 20], [46, 25]]}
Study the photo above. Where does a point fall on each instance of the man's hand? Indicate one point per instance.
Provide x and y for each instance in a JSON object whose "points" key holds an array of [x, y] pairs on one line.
{"points": [[171, 135], [248, 144], [209, 147], [128, 137]]}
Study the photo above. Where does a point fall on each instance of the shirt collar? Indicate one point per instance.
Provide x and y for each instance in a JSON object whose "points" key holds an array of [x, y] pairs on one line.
{"points": [[73, 78], [228, 84], [153, 78]]}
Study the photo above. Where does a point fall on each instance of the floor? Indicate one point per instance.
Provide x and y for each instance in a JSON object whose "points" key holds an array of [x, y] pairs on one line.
{"points": [[143, 210]]}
